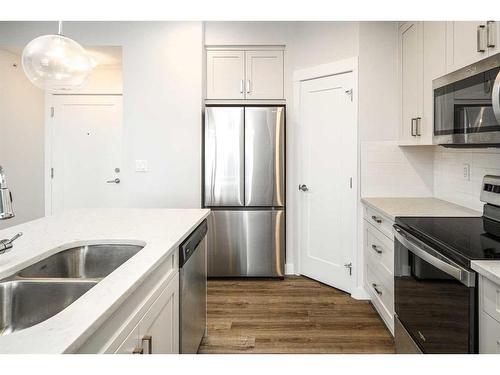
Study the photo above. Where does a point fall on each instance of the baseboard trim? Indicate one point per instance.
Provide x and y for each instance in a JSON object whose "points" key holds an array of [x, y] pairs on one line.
{"points": [[289, 269], [360, 294]]}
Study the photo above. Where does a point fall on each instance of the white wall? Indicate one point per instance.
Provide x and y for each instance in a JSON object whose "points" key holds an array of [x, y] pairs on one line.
{"points": [[21, 139], [162, 94], [323, 42]]}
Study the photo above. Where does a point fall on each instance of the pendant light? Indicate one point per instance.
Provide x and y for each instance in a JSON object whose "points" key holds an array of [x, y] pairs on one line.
{"points": [[56, 63]]}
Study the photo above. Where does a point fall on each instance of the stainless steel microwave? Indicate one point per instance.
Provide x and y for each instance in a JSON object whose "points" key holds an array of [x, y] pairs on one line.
{"points": [[467, 107]]}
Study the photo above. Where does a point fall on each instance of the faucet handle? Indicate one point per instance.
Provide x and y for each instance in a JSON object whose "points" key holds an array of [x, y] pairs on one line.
{"points": [[7, 244], [16, 237]]}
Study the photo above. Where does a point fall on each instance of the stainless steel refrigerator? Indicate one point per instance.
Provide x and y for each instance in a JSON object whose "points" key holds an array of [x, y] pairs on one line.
{"points": [[244, 185]]}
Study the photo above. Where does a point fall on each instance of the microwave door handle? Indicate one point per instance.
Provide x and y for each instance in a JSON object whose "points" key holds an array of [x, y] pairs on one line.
{"points": [[409, 242], [495, 98]]}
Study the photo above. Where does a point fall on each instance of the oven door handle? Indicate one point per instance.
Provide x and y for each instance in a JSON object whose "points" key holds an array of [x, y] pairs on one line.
{"points": [[442, 263]]}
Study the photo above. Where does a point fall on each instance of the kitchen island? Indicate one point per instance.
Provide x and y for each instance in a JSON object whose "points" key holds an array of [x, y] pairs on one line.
{"points": [[109, 317]]}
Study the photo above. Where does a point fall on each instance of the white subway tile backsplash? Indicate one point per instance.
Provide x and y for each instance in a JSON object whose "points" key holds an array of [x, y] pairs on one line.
{"points": [[388, 170], [449, 181]]}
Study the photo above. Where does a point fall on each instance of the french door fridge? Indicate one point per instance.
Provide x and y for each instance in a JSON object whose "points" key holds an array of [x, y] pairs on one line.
{"points": [[244, 185]]}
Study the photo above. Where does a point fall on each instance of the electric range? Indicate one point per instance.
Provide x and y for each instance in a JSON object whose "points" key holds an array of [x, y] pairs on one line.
{"points": [[435, 289]]}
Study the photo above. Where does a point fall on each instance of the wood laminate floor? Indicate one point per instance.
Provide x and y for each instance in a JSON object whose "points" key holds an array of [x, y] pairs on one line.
{"points": [[294, 315]]}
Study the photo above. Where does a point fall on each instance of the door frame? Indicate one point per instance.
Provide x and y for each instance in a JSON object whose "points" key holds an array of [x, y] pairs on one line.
{"points": [[349, 65], [50, 102]]}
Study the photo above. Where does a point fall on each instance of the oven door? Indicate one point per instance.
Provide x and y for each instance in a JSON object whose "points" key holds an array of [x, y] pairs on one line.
{"points": [[435, 299]]}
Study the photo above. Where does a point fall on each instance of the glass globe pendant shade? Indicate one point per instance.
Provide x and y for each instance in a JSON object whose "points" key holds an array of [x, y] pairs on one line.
{"points": [[56, 63]]}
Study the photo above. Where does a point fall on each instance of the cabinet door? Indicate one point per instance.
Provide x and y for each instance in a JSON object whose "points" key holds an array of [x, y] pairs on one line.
{"points": [[434, 67], [159, 328], [466, 43], [130, 344], [264, 75], [493, 37], [411, 80], [225, 74]]}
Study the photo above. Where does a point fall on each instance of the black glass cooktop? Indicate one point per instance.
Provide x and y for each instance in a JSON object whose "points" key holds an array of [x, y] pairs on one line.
{"points": [[462, 239]]}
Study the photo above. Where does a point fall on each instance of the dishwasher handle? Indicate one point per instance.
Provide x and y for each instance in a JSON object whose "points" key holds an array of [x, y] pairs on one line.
{"points": [[189, 246]]}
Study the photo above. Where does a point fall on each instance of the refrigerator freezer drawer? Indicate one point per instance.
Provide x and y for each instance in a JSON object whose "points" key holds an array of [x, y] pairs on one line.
{"points": [[224, 159], [246, 243], [264, 156]]}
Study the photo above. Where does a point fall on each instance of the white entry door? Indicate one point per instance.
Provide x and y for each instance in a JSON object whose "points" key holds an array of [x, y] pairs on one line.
{"points": [[328, 123], [86, 142]]}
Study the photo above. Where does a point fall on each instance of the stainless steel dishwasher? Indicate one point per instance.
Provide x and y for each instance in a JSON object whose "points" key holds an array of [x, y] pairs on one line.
{"points": [[193, 290]]}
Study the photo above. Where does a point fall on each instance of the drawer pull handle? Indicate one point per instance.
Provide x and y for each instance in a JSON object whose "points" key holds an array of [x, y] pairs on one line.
{"points": [[149, 340], [374, 286], [376, 219], [377, 250]]}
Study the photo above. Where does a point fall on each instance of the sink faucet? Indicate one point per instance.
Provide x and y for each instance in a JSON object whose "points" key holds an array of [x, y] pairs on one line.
{"points": [[6, 211]]}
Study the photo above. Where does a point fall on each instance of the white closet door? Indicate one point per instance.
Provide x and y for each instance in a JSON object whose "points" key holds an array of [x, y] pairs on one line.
{"points": [[328, 203], [264, 75], [225, 74]]}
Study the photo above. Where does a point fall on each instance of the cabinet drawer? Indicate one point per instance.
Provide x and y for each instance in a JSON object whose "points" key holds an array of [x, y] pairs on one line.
{"points": [[378, 248], [379, 221], [381, 285], [489, 335], [491, 298]]}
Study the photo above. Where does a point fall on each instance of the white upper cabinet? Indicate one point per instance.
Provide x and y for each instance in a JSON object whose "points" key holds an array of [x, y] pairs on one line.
{"points": [[411, 81], [225, 74], [422, 58], [264, 74], [434, 67], [470, 41], [245, 74]]}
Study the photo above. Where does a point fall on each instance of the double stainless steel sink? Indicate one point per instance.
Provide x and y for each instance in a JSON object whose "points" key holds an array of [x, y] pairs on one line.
{"points": [[44, 289]]}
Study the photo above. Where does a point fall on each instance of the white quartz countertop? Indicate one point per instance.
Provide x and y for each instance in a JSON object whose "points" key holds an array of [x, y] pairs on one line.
{"points": [[393, 207], [488, 268], [160, 230]]}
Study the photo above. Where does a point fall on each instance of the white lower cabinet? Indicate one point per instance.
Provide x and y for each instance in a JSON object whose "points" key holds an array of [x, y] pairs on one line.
{"points": [[489, 317], [379, 263], [147, 322], [157, 332], [159, 328]]}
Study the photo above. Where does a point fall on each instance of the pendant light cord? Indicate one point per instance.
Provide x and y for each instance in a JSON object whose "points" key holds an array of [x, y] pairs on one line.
{"points": [[60, 27]]}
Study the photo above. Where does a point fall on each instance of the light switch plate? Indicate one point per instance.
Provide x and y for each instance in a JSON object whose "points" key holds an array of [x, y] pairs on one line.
{"points": [[466, 171], [141, 165]]}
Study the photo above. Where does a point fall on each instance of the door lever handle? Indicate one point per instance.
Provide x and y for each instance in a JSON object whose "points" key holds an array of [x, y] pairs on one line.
{"points": [[115, 181], [303, 187]]}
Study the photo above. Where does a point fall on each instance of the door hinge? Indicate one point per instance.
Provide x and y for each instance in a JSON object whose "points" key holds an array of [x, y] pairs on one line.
{"points": [[349, 266], [52, 112], [350, 93], [51, 172]]}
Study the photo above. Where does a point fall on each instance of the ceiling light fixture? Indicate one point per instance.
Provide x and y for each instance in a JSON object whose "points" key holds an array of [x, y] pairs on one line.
{"points": [[56, 63]]}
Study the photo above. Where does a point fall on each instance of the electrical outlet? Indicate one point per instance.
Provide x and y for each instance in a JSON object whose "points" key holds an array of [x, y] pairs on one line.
{"points": [[466, 168], [141, 165]]}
